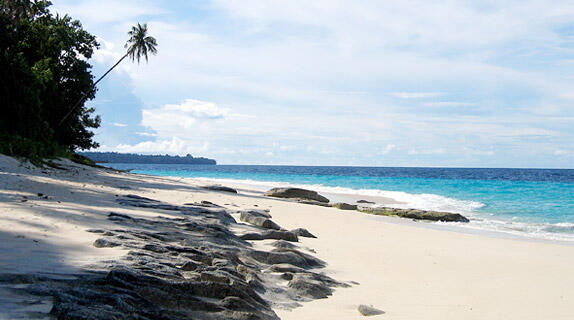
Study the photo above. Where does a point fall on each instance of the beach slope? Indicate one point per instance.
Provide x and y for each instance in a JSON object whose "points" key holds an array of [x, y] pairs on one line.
{"points": [[406, 269]]}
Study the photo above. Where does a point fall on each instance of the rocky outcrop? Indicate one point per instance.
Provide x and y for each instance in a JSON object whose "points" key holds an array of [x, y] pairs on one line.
{"points": [[344, 206], [415, 214], [296, 193], [365, 201], [189, 265]]}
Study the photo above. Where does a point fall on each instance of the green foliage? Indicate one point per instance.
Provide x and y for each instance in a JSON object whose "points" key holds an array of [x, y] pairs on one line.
{"points": [[140, 44], [43, 73]]}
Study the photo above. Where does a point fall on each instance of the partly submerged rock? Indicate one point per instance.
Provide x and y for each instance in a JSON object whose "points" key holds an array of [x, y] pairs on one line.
{"points": [[368, 311], [365, 201], [344, 206], [296, 193], [415, 214]]}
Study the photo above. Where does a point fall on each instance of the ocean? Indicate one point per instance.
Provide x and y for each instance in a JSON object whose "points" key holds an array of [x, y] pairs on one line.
{"points": [[537, 203]]}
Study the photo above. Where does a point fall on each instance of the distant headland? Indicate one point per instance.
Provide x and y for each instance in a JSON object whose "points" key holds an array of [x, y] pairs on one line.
{"points": [[115, 157]]}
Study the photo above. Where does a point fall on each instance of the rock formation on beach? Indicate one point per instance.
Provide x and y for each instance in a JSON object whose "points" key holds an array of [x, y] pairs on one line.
{"points": [[415, 214], [188, 265], [313, 198], [296, 193]]}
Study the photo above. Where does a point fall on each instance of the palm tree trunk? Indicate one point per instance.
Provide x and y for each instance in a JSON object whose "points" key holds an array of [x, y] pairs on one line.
{"points": [[110, 70], [85, 94]]}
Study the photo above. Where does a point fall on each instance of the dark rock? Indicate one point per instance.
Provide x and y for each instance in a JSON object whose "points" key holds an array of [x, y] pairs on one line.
{"points": [[287, 276], [285, 267], [96, 230], [305, 285], [282, 244], [272, 234], [258, 219], [314, 203], [296, 193], [189, 266], [104, 243], [365, 201], [288, 256], [344, 206], [310, 260], [257, 212], [302, 232], [368, 311], [415, 214], [219, 188], [155, 248]]}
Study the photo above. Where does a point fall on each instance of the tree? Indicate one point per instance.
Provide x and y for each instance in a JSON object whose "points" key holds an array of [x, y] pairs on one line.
{"points": [[43, 71], [15, 10], [138, 45]]}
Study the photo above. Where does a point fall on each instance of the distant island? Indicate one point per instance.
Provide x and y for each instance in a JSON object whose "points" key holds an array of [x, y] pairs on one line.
{"points": [[115, 157]]}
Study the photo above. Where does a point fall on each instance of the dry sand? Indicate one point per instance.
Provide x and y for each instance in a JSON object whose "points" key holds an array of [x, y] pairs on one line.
{"points": [[406, 269]]}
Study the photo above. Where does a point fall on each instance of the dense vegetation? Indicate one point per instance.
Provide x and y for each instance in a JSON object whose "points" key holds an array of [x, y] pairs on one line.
{"points": [[114, 157], [43, 74], [45, 80]]}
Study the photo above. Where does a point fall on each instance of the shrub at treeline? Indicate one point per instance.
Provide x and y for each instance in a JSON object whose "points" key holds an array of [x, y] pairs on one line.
{"points": [[43, 74]]}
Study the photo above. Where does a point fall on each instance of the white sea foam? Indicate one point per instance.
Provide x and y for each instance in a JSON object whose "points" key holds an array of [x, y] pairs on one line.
{"points": [[400, 199], [479, 221]]}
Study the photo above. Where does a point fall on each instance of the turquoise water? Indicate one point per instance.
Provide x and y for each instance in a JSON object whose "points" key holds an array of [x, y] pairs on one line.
{"points": [[535, 201]]}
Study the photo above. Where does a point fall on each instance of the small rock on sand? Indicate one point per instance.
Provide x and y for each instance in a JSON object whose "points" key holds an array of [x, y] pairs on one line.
{"points": [[368, 311]]}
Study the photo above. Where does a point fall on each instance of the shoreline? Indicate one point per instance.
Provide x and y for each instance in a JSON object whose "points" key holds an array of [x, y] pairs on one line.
{"points": [[259, 187], [407, 269]]}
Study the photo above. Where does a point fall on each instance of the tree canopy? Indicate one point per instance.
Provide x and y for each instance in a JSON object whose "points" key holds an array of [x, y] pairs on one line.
{"points": [[43, 73]]}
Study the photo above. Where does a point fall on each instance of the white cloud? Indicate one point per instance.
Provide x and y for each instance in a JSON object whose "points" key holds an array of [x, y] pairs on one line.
{"points": [[471, 151], [181, 119], [415, 95], [563, 152], [146, 134], [117, 124], [175, 146], [305, 78], [106, 11], [388, 148], [449, 104], [425, 151], [198, 109]]}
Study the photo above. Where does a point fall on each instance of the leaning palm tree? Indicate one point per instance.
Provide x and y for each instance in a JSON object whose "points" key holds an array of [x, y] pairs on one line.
{"points": [[138, 46]]}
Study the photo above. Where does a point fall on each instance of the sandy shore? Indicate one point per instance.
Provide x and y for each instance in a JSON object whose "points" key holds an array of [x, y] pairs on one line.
{"points": [[405, 269]]}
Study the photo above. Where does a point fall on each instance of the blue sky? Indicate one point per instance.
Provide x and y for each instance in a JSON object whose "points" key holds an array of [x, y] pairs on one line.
{"points": [[374, 83]]}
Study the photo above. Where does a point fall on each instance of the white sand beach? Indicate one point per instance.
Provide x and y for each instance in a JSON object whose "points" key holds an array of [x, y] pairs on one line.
{"points": [[406, 269]]}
